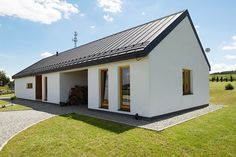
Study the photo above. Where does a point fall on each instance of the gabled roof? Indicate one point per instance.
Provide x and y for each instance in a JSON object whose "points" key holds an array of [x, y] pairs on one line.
{"points": [[131, 43]]}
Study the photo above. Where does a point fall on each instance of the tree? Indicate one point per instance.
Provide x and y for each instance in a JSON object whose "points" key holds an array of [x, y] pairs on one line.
{"points": [[221, 79], [217, 79], [4, 78], [231, 78]]}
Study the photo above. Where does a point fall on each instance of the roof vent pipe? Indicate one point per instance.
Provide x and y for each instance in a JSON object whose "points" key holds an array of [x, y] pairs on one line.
{"points": [[56, 53]]}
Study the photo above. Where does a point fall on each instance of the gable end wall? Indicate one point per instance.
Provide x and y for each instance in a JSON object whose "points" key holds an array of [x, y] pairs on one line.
{"points": [[179, 50]]}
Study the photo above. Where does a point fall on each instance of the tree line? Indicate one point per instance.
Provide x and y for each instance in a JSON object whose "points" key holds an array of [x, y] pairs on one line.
{"points": [[4, 80], [222, 79]]}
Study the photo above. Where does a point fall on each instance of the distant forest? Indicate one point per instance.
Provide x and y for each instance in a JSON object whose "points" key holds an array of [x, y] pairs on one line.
{"points": [[224, 76], [225, 72]]}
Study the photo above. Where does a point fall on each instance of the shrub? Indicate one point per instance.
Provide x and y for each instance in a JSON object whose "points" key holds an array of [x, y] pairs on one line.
{"points": [[231, 78], [13, 98], [221, 79], [217, 79], [229, 86]]}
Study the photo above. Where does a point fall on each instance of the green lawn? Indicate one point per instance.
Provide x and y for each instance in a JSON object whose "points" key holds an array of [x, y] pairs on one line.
{"points": [[7, 95], [12, 108], [4, 87], [73, 135]]}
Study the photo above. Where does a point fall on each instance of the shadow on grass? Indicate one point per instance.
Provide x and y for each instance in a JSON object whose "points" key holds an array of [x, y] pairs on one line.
{"points": [[103, 124]]}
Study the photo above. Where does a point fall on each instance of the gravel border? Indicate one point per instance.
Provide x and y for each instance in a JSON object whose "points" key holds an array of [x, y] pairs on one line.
{"points": [[169, 122]]}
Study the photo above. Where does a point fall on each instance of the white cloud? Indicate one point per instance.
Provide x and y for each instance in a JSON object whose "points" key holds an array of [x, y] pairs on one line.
{"points": [[222, 67], [92, 27], [82, 14], [230, 57], [43, 11], [230, 46], [46, 54], [108, 18], [113, 6], [143, 13]]}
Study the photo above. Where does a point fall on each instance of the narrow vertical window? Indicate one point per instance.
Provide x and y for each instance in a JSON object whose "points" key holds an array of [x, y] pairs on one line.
{"points": [[125, 88], [186, 82], [104, 88], [45, 88]]}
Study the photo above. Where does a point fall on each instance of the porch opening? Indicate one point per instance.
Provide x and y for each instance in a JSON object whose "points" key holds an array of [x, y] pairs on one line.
{"points": [[74, 87]]}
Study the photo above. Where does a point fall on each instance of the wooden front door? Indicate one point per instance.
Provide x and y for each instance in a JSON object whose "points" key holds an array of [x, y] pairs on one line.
{"points": [[38, 87]]}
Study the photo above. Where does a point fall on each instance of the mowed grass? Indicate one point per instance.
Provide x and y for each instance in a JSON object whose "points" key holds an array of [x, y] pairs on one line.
{"points": [[15, 107], [4, 87], [7, 95], [74, 135]]}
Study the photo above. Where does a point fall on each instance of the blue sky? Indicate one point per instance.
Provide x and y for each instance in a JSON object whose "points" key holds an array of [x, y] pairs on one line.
{"points": [[33, 29]]}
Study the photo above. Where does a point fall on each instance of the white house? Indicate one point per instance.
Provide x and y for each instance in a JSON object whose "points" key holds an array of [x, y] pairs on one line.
{"points": [[152, 69]]}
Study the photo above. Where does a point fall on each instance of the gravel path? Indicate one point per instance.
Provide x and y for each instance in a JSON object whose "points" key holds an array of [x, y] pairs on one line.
{"points": [[15, 121]]}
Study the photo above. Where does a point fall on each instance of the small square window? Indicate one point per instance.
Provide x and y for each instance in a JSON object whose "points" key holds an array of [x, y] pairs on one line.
{"points": [[29, 85]]}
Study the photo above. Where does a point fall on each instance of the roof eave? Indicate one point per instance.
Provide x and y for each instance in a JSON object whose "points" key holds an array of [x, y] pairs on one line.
{"points": [[126, 56]]}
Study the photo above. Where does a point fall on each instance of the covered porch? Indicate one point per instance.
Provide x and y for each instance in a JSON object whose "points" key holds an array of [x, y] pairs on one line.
{"points": [[74, 87]]}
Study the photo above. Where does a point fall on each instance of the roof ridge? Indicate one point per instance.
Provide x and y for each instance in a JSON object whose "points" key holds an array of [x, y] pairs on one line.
{"points": [[123, 31]]}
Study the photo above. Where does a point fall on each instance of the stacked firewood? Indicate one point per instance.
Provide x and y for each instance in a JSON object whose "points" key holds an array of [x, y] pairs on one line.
{"points": [[78, 95]]}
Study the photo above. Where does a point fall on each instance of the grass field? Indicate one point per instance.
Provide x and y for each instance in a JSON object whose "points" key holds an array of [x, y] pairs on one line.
{"points": [[15, 107], [5, 90], [7, 95], [73, 135]]}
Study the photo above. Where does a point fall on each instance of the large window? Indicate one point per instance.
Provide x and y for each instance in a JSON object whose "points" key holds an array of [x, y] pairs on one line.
{"points": [[125, 88], [104, 88], [186, 82]]}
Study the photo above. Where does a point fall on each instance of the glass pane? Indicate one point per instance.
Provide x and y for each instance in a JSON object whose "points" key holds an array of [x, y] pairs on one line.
{"points": [[106, 86], [125, 86]]}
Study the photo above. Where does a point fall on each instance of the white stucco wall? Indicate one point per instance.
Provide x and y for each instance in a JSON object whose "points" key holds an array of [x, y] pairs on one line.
{"points": [[138, 86], [69, 80], [179, 50], [20, 88], [53, 87]]}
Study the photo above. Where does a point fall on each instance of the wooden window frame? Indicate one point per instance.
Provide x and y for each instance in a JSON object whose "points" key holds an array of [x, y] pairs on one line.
{"points": [[29, 85], [121, 106], [104, 103], [187, 81]]}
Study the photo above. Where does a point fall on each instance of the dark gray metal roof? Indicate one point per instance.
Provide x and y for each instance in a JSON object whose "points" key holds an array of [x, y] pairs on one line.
{"points": [[134, 42]]}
